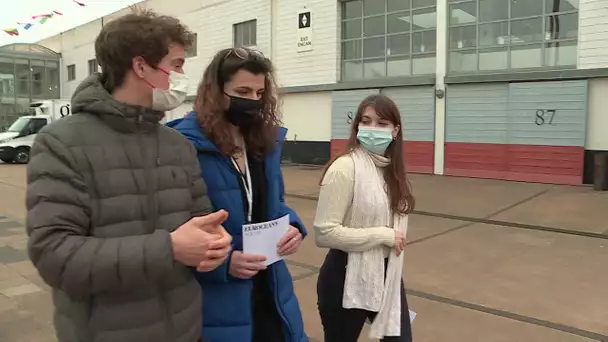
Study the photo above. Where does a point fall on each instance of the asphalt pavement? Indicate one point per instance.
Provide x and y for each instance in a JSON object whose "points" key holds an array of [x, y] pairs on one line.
{"points": [[487, 261]]}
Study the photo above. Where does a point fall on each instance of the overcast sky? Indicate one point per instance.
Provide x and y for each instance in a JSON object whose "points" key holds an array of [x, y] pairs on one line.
{"points": [[73, 15]]}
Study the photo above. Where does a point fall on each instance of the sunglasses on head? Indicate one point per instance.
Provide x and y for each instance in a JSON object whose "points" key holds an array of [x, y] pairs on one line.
{"points": [[245, 53]]}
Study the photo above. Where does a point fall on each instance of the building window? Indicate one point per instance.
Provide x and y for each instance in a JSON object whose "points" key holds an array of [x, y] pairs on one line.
{"points": [[386, 38], [191, 51], [71, 72], [92, 66], [245, 33], [487, 35]]}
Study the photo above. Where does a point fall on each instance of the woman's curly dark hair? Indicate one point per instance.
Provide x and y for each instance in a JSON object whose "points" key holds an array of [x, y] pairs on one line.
{"points": [[209, 103]]}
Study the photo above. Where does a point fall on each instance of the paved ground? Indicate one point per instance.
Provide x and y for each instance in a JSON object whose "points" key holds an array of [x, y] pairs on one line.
{"points": [[487, 261]]}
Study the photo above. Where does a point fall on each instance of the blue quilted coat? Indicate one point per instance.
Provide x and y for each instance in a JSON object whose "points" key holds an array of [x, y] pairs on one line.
{"points": [[227, 300]]}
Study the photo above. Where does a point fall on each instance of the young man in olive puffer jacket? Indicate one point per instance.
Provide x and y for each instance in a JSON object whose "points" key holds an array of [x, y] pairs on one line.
{"points": [[117, 210]]}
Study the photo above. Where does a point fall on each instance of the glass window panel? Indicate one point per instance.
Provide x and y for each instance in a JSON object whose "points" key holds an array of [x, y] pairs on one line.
{"points": [[560, 53], [463, 61], [463, 37], [352, 70], [423, 3], [52, 76], [526, 8], [494, 59], [424, 41], [351, 49], [238, 35], [424, 19], [253, 38], [397, 5], [374, 26], [553, 6], [71, 69], [398, 22], [526, 31], [7, 78], [22, 106], [561, 26], [371, 7], [373, 47], [92, 63], [374, 68], [423, 64], [463, 13], [490, 10], [23, 79], [493, 34], [351, 29], [398, 66], [352, 9], [526, 56], [398, 45], [38, 79]]}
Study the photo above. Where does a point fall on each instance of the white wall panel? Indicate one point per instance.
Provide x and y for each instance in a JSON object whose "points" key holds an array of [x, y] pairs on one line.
{"points": [[307, 116], [319, 66], [593, 34], [597, 121]]}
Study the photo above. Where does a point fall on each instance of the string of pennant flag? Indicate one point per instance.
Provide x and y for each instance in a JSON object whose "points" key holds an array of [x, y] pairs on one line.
{"points": [[36, 19]]}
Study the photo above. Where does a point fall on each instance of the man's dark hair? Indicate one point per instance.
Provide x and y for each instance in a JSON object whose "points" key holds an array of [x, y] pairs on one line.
{"points": [[144, 34]]}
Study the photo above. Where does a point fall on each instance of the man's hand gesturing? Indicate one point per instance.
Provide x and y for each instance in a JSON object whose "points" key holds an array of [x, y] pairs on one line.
{"points": [[202, 242]]}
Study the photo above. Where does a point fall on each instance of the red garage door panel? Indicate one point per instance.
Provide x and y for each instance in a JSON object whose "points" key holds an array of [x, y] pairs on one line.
{"points": [[527, 163]]}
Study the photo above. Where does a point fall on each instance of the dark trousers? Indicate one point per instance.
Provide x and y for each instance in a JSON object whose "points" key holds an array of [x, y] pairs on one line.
{"points": [[344, 325]]}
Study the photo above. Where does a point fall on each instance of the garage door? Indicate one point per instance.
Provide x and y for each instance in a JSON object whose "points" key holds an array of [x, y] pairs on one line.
{"points": [[533, 131], [417, 108]]}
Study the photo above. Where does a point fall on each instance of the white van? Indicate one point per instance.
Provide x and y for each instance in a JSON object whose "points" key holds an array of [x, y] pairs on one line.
{"points": [[17, 140]]}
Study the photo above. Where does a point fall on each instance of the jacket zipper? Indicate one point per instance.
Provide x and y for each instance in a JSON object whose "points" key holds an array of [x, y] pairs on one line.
{"points": [[275, 279], [152, 220], [290, 337]]}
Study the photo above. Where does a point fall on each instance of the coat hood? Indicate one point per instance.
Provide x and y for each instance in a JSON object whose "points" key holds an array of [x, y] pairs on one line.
{"points": [[91, 97]]}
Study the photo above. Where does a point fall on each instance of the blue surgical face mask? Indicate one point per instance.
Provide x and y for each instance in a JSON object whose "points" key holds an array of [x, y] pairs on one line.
{"points": [[375, 139]]}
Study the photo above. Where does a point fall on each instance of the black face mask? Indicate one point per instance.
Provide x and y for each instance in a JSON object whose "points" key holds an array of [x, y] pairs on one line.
{"points": [[244, 112]]}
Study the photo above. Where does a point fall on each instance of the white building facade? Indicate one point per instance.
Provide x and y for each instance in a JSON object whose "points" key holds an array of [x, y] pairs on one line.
{"points": [[507, 89]]}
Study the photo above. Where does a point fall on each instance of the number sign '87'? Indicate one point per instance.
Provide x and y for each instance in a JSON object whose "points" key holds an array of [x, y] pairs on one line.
{"points": [[545, 117]]}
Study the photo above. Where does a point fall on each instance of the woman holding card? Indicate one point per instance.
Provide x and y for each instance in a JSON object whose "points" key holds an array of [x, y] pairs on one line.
{"points": [[362, 217], [235, 129]]}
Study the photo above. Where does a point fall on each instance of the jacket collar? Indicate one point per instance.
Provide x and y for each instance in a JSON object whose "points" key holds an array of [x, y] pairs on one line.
{"points": [[190, 127]]}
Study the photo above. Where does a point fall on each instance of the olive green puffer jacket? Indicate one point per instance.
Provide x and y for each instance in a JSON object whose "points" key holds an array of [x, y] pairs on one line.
{"points": [[106, 186]]}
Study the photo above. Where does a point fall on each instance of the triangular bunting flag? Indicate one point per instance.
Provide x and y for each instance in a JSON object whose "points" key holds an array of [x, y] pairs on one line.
{"points": [[11, 31], [26, 26]]}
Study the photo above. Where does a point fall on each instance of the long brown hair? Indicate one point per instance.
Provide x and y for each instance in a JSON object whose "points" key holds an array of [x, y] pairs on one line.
{"points": [[209, 103], [399, 188]]}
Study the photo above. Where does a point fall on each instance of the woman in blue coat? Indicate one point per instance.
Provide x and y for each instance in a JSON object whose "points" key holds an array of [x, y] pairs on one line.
{"points": [[236, 131]]}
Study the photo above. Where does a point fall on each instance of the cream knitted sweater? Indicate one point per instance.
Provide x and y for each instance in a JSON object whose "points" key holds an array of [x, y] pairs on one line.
{"points": [[352, 192], [334, 210]]}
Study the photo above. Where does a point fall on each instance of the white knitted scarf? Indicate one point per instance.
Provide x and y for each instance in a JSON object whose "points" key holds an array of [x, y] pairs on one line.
{"points": [[365, 286]]}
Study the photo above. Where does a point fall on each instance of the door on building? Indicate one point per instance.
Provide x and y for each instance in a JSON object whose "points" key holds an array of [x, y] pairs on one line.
{"points": [[528, 131]]}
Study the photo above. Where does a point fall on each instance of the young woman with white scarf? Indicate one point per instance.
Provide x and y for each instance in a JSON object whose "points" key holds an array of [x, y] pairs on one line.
{"points": [[362, 217]]}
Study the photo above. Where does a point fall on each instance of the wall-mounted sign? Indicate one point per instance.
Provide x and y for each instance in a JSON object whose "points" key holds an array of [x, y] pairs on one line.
{"points": [[304, 35]]}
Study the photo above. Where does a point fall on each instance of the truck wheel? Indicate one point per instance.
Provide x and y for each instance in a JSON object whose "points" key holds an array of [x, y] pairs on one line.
{"points": [[22, 156]]}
